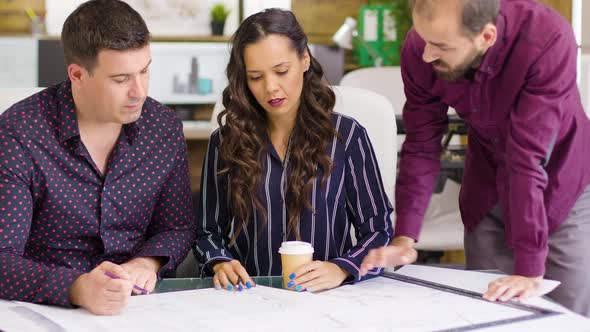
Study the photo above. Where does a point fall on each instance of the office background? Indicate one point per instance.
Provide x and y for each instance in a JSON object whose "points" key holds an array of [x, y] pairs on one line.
{"points": [[183, 47]]}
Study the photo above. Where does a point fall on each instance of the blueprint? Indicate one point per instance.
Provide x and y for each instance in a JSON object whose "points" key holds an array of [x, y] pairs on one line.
{"points": [[379, 304]]}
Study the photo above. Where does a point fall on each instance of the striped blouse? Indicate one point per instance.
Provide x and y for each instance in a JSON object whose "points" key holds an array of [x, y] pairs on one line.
{"points": [[353, 196]]}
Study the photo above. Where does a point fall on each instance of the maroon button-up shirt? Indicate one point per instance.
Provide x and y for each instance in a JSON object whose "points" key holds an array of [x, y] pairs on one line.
{"points": [[529, 138]]}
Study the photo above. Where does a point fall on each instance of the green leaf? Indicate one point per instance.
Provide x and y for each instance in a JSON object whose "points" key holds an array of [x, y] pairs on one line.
{"points": [[219, 13]]}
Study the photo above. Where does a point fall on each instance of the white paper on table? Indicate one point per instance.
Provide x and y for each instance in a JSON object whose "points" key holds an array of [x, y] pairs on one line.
{"points": [[258, 309], [468, 280], [17, 318], [379, 304], [393, 305]]}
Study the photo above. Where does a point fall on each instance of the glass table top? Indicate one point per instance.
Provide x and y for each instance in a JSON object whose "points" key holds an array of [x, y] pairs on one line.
{"points": [[180, 284]]}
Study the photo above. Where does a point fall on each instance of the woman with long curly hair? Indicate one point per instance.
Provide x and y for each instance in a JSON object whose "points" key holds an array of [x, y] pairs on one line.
{"points": [[283, 166]]}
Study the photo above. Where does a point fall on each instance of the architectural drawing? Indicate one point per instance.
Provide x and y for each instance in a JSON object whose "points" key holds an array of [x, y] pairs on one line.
{"points": [[380, 304]]}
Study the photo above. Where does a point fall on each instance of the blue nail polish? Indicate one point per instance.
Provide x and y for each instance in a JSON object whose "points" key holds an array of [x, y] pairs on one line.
{"points": [[248, 284], [298, 288], [290, 284], [309, 289], [240, 288], [292, 276], [230, 287]]}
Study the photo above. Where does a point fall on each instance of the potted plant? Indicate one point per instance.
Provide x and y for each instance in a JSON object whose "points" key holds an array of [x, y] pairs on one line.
{"points": [[219, 14]]}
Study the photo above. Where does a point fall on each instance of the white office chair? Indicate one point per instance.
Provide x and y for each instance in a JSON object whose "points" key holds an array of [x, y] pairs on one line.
{"points": [[10, 96], [442, 229], [386, 81], [377, 115]]}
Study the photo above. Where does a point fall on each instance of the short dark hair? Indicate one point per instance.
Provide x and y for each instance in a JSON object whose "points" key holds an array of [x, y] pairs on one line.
{"points": [[101, 24], [475, 13]]}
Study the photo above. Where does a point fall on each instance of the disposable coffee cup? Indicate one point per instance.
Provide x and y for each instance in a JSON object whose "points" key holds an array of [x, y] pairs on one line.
{"points": [[293, 255]]}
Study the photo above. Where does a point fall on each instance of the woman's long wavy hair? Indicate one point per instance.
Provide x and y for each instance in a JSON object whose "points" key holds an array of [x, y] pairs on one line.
{"points": [[244, 131]]}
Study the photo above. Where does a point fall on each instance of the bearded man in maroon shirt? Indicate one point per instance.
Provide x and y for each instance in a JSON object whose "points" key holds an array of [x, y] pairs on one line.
{"points": [[509, 69]]}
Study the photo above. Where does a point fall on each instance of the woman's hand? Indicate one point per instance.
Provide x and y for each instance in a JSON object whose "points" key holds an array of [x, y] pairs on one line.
{"points": [[231, 275], [317, 276]]}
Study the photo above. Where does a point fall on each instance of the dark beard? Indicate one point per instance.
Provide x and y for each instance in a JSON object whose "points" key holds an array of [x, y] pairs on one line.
{"points": [[459, 71]]}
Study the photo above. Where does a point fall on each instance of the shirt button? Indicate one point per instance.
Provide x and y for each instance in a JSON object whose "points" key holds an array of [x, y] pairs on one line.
{"points": [[496, 140], [475, 110]]}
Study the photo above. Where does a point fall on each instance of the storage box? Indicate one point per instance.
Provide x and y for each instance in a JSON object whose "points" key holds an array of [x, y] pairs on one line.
{"points": [[377, 39]]}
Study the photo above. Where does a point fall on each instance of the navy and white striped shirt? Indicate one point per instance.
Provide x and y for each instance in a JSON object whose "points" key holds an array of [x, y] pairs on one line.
{"points": [[353, 196]]}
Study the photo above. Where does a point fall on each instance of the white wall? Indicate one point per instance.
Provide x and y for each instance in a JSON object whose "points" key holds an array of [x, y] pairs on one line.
{"points": [[56, 13], [586, 24], [585, 57], [18, 67], [164, 18], [254, 6]]}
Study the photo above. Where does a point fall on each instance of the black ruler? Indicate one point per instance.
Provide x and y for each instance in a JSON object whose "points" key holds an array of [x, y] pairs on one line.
{"points": [[535, 312]]}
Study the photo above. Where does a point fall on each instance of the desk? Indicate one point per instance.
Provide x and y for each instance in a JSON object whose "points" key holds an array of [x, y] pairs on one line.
{"points": [[380, 304]]}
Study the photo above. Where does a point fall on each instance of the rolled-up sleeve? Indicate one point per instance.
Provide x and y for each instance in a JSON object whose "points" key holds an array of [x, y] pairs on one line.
{"points": [[367, 202]]}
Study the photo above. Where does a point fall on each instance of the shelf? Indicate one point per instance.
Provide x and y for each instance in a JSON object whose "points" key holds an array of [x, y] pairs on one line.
{"points": [[179, 38], [214, 39], [196, 130], [186, 99], [16, 35]]}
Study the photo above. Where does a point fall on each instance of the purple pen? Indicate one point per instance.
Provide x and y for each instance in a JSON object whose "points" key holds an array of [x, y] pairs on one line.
{"points": [[142, 290]]}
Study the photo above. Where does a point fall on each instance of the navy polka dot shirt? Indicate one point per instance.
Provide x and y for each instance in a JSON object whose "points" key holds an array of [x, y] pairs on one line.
{"points": [[59, 217]]}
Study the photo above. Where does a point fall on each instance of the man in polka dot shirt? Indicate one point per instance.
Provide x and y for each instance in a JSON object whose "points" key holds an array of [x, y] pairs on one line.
{"points": [[93, 174]]}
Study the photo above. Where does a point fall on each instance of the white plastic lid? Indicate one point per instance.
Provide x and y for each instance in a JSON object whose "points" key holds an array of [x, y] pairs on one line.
{"points": [[295, 248]]}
